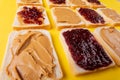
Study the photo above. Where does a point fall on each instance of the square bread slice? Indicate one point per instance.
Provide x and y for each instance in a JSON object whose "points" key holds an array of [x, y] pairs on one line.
{"points": [[94, 3], [31, 17], [30, 2], [65, 17], [59, 3], [111, 16], [91, 14], [76, 70], [9, 55], [77, 3], [109, 47]]}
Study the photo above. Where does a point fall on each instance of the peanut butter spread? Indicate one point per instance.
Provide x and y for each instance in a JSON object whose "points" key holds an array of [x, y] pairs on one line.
{"points": [[30, 1], [77, 2], [111, 14], [65, 15], [32, 58], [112, 37]]}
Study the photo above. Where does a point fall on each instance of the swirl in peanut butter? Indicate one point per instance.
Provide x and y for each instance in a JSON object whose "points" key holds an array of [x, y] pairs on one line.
{"points": [[112, 37], [65, 15], [32, 57]]}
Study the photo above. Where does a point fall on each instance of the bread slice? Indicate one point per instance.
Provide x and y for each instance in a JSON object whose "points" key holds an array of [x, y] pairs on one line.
{"points": [[50, 4], [88, 23], [61, 25], [21, 3], [8, 54], [77, 3], [111, 16], [76, 70], [112, 53], [19, 24], [94, 5]]}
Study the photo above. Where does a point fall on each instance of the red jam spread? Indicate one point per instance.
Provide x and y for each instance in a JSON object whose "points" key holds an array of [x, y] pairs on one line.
{"points": [[31, 15], [58, 1], [85, 50], [94, 1], [91, 15]]}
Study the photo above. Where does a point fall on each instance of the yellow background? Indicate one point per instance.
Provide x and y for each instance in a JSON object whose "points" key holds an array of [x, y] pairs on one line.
{"points": [[7, 13]]}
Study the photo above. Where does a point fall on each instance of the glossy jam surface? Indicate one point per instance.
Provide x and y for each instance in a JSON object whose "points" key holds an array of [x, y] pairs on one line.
{"points": [[94, 1], [31, 15], [85, 50], [58, 1], [91, 15]]}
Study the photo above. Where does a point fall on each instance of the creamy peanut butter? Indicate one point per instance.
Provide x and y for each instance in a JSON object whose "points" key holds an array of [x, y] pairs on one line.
{"points": [[78, 2], [30, 1], [112, 37], [65, 15], [111, 14], [32, 58]]}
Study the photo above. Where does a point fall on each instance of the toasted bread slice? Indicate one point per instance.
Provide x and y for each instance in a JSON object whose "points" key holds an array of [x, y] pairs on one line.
{"points": [[30, 2], [65, 17], [76, 70], [89, 23], [110, 50], [111, 16], [19, 21], [8, 55]]}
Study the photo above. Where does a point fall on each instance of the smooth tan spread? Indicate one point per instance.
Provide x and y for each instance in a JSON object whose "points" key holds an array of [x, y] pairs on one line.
{"points": [[30, 1], [111, 14], [78, 2], [112, 37], [65, 15], [32, 57]]}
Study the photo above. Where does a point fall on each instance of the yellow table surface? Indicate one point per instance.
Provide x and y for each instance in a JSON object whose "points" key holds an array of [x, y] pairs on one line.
{"points": [[7, 14]]}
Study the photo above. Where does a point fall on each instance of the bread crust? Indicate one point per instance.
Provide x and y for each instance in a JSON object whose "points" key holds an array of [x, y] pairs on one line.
{"points": [[8, 54]]}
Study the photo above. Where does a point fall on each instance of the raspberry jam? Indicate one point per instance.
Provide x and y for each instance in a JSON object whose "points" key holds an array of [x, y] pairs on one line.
{"points": [[31, 15], [85, 50], [91, 15], [94, 1], [58, 1]]}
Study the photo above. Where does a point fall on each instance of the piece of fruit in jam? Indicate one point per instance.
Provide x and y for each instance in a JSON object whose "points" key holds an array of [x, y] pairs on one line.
{"points": [[58, 1], [91, 15], [94, 1], [85, 50], [31, 15]]}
